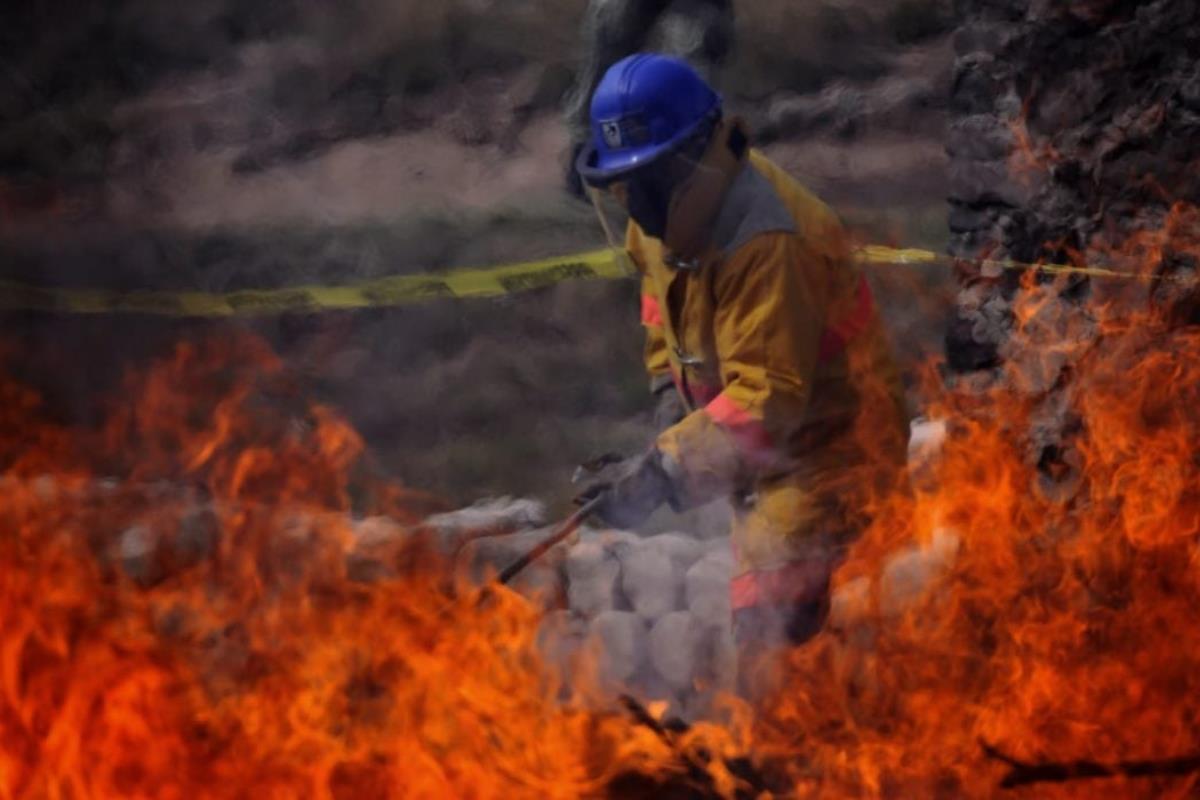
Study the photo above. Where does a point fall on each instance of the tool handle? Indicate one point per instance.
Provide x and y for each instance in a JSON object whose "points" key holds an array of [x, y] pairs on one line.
{"points": [[568, 527]]}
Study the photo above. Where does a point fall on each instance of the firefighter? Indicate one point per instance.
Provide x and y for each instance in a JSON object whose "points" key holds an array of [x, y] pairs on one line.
{"points": [[762, 328], [700, 31]]}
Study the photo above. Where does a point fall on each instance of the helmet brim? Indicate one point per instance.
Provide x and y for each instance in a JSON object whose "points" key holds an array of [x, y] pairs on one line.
{"points": [[600, 170]]}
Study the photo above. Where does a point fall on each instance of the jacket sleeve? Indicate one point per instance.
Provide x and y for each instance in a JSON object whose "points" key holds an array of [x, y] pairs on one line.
{"points": [[769, 320], [655, 355], [658, 363]]}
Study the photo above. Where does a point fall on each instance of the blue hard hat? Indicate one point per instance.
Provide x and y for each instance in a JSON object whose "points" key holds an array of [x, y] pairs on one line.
{"points": [[646, 105]]}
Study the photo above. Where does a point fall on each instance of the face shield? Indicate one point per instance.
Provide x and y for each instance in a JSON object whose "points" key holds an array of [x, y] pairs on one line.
{"points": [[610, 211], [644, 194]]}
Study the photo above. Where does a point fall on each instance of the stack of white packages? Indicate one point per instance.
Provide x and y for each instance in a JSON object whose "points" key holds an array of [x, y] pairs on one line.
{"points": [[651, 615]]}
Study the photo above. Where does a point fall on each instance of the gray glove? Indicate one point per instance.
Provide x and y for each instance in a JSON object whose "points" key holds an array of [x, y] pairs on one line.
{"points": [[630, 491], [669, 408]]}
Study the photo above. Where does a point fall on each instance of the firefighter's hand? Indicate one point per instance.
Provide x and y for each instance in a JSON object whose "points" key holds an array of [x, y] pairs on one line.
{"points": [[636, 489]]}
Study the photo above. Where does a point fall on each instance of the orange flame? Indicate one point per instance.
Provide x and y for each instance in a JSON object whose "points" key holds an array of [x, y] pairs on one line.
{"points": [[260, 669], [1057, 621], [193, 628]]}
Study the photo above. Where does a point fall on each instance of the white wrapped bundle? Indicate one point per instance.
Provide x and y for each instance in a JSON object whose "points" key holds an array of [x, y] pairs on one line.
{"points": [[911, 572], [706, 587], [561, 637], [592, 572], [676, 649], [850, 605], [618, 640], [682, 549], [651, 580]]}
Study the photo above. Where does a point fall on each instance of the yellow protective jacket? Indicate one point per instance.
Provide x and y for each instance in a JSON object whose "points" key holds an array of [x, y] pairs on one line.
{"points": [[774, 341]]}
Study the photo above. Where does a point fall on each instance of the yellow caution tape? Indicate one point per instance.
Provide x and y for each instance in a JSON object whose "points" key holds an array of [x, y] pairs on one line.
{"points": [[878, 254], [404, 289], [391, 291]]}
